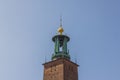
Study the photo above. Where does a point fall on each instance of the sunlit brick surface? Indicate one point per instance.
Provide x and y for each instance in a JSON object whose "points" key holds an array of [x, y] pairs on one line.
{"points": [[60, 69]]}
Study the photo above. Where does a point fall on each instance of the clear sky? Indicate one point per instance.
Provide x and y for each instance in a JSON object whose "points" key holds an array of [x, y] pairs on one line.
{"points": [[27, 26]]}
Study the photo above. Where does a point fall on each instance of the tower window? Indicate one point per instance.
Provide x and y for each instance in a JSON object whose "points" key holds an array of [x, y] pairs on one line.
{"points": [[60, 48]]}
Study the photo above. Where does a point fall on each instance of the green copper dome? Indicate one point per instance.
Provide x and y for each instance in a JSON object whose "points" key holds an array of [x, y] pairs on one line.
{"points": [[60, 50]]}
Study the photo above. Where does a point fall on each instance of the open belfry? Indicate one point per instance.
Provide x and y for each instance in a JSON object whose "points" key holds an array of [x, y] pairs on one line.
{"points": [[60, 67]]}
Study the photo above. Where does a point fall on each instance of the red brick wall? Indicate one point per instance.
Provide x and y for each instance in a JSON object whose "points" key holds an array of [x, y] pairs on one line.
{"points": [[61, 69]]}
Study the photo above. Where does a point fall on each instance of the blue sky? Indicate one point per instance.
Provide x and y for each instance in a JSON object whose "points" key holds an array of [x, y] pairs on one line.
{"points": [[27, 27]]}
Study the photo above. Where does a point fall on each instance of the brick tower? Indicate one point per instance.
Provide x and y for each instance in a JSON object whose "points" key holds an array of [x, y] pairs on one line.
{"points": [[60, 67]]}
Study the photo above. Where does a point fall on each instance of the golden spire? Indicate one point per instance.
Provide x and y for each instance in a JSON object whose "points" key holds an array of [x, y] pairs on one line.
{"points": [[60, 29]]}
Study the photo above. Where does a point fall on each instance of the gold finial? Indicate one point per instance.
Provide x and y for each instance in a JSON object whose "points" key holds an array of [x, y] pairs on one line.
{"points": [[60, 29]]}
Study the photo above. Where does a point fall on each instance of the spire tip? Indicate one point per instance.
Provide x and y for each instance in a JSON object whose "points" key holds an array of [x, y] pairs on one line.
{"points": [[60, 21]]}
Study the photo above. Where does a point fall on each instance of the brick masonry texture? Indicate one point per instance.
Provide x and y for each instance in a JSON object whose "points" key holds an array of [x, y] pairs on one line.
{"points": [[60, 69]]}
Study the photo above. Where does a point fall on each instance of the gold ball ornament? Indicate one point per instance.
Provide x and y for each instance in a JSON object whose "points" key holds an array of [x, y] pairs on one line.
{"points": [[60, 30]]}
